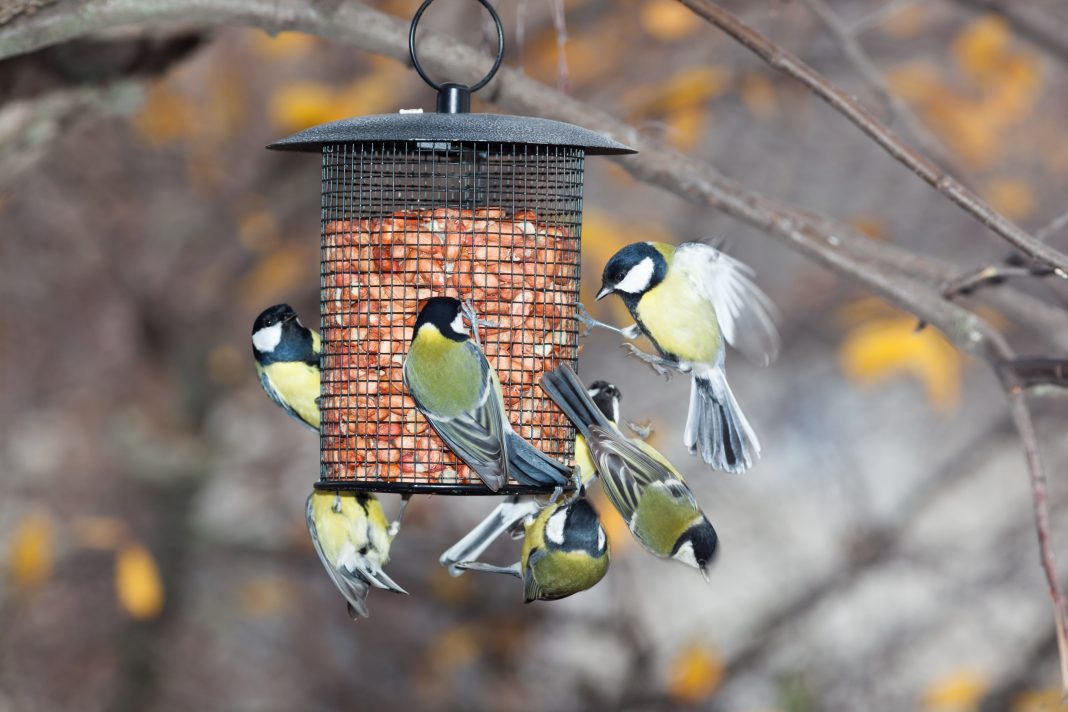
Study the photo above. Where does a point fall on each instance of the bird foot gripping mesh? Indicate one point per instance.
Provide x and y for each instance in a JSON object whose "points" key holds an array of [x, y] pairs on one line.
{"points": [[494, 224]]}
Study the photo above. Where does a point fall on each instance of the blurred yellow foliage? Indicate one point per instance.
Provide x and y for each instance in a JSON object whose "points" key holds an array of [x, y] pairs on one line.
{"points": [[137, 582], [258, 230], [758, 96], [695, 674], [685, 127], [455, 648], [264, 596], [1013, 198], [450, 589], [668, 20], [298, 105], [959, 691], [31, 550], [284, 45], [100, 533], [1049, 700], [1004, 85], [686, 89], [167, 116], [889, 347]]}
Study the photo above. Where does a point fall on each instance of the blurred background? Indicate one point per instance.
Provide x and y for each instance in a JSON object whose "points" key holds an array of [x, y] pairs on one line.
{"points": [[153, 551]]}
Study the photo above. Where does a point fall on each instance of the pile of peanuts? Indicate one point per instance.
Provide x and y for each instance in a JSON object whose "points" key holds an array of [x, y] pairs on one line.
{"points": [[521, 277]]}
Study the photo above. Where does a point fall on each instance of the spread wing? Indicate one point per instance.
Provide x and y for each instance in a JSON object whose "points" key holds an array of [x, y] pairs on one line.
{"points": [[477, 437], [353, 589], [626, 470], [746, 314]]}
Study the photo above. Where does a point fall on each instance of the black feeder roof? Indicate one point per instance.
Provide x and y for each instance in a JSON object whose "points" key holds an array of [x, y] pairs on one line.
{"points": [[482, 128]]}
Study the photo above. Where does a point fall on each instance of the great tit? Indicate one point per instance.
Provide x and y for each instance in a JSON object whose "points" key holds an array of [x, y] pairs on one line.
{"points": [[659, 508], [287, 361], [565, 551], [507, 515], [352, 537], [455, 388], [687, 300]]}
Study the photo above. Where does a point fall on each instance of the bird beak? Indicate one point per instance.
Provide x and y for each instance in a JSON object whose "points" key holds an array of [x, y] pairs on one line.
{"points": [[605, 291]]}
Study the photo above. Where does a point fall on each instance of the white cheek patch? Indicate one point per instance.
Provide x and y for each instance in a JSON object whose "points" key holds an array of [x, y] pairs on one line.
{"points": [[685, 555], [638, 278], [457, 324], [267, 338], [554, 528], [601, 541], [615, 410]]}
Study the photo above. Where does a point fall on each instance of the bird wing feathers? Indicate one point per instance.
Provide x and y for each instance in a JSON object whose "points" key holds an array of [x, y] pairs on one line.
{"points": [[626, 470], [353, 589], [477, 437], [746, 314]]}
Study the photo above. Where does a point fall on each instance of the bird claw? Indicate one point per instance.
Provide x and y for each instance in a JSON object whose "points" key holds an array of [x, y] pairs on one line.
{"points": [[395, 525], [663, 367], [641, 430], [587, 321]]}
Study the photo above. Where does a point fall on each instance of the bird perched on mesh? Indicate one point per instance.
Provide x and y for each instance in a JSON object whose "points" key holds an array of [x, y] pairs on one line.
{"points": [[565, 551], [350, 532], [455, 388], [287, 361], [507, 516], [650, 494], [689, 300], [352, 537]]}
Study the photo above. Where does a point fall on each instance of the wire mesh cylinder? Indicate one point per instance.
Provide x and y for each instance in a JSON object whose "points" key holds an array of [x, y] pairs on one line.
{"points": [[497, 224]]}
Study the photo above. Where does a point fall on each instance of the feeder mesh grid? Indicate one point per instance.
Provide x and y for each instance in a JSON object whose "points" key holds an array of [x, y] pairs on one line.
{"points": [[495, 224]]}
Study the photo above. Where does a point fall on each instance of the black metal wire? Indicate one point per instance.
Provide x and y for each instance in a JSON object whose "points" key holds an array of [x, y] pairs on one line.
{"points": [[419, 67], [496, 223]]}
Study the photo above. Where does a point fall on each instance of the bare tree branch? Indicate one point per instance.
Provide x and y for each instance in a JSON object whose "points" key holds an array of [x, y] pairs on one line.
{"points": [[899, 111], [953, 189]]}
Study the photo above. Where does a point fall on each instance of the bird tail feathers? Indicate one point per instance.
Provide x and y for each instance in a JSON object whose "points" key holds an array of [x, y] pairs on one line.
{"points": [[715, 424], [564, 388]]}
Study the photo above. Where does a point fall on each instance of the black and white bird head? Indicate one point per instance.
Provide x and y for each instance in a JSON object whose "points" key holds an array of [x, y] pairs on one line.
{"points": [[633, 271], [277, 332], [697, 546], [606, 397], [575, 527], [446, 315]]}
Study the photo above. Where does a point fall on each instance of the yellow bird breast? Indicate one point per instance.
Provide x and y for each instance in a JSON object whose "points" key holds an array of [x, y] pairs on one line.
{"points": [[680, 320], [297, 384]]}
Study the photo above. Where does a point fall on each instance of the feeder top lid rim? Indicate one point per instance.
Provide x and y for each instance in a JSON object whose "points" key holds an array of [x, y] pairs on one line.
{"points": [[484, 128]]}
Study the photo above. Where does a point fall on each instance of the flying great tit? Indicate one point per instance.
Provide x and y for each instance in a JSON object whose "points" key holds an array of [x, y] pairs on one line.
{"points": [[687, 300], [352, 537], [456, 389], [287, 361], [507, 515], [657, 505], [565, 551]]}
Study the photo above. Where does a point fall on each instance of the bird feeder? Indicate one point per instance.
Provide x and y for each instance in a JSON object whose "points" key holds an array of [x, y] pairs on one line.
{"points": [[482, 207]]}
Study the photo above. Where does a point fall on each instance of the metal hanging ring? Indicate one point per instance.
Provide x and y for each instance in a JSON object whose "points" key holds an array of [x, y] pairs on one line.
{"points": [[496, 63]]}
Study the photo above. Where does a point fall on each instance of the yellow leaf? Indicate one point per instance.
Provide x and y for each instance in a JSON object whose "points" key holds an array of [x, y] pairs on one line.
{"points": [[668, 20], [166, 116], [264, 596], [916, 82], [31, 551], [686, 89], [685, 127], [960, 691], [758, 96], [137, 582], [695, 674], [297, 106], [284, 45], [1011, 197], [870, 225], [980, 47], [1048, 700], [891, 347], [102, 533]]}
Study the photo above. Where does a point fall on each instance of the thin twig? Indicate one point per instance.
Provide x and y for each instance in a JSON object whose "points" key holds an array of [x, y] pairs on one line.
{"points": [[879, 16], [1052, 227], [944, 183], [899, 111]]}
